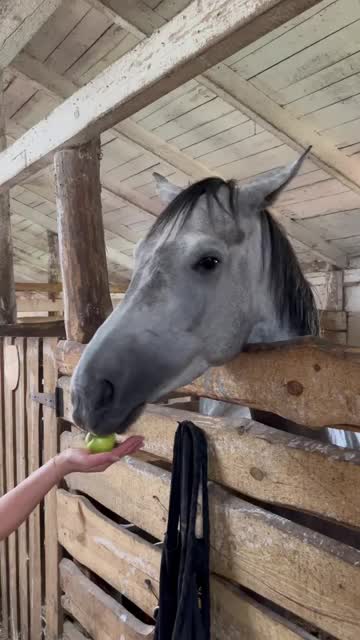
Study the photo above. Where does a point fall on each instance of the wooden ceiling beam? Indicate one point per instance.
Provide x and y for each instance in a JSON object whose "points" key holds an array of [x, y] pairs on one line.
{"points": [[199, 37], [20, 20], [241, 94], [246, 98], [62, 87]]}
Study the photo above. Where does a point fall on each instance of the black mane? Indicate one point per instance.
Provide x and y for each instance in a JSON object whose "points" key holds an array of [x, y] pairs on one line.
{"points": [[293, 297]]}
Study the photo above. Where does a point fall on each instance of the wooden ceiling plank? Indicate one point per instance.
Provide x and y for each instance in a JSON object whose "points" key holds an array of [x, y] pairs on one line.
{"points": [[296, 133], [163, 62], [19, 22]]}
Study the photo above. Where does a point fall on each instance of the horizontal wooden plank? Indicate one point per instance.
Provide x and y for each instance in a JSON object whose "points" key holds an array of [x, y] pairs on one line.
{"points": [[282, 561], [56, 287], [192, 42], [88, 604], [71, 632], [333, 320], [124, 560], [233, 613], [309, 381], [252, 459], [49, 329], [19, 23]]}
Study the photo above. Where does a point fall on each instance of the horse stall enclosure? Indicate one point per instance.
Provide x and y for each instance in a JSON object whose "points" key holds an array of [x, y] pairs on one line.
{"points": [[179, 240]]}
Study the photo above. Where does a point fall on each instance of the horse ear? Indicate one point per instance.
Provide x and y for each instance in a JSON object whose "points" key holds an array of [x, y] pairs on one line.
{"points": [[264, 190], [167, 191]]}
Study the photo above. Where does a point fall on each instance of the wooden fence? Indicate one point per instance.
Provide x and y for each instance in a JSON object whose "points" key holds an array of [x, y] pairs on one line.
{"points": [[28, 437], [272, 577]]}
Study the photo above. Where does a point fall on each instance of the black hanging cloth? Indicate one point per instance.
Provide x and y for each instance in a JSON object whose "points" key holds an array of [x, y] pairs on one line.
{"points": [[184, 602]]}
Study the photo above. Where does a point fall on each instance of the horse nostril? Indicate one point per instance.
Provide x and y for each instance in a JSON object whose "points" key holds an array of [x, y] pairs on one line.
{"points": [[106, 394]]}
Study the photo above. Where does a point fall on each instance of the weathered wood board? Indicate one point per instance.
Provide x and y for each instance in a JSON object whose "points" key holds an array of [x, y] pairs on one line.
{"points": [[34, 461], [11, 478], [100, 615], [22, 472], [202, 48], [247, 547], [233, 612], [255, 460], [4, 576], [309, 381], [52, 550]]}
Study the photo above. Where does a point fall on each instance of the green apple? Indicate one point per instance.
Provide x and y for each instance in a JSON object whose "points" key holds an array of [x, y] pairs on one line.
{"points": [[100, 444]]}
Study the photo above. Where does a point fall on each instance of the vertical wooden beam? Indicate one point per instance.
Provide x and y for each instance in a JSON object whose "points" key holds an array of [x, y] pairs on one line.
{"points": [[87, 300], [34, 462], [53, 265], [335, 290], [11, 369], [22, 472], [4, 568], [52, 551], [7, 282]]}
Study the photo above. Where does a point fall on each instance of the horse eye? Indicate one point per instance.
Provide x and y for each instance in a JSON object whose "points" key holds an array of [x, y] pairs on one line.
{"points": [[208, 263]]}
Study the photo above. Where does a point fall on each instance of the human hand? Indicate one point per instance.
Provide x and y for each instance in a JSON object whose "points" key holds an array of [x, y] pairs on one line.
{"points": [[81, 460]]}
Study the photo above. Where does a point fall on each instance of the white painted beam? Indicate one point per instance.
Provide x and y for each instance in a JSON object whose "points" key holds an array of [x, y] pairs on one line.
{"points": [[199, 37], [130, 130], [19, 22]]}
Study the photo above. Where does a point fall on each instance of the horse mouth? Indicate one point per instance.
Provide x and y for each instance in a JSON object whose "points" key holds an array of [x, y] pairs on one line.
{"points": [[106, 426], [131, 417]]}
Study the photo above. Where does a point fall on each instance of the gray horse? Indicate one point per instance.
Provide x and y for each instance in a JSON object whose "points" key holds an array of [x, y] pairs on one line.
{"points": [[214, 273]]}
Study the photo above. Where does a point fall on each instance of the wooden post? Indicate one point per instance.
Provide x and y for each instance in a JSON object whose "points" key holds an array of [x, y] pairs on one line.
{"points": [[53, 265], [7, 282], [87, 300]]}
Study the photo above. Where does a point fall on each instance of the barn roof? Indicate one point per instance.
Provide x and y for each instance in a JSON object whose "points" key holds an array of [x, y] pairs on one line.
{"points": [[252, 111]]}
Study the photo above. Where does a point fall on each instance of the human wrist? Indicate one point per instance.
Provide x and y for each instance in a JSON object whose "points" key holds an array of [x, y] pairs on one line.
{"points": [[62, 466]]}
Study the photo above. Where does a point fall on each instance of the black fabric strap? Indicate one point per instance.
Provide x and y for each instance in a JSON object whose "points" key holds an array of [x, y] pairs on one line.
{"points": [[184, 601]]}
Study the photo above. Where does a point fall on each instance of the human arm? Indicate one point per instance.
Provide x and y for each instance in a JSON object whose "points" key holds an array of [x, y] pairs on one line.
{"points": [[17, 504]]}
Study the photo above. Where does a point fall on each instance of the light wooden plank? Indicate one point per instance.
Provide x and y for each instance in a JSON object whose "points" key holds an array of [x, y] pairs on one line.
{"points": [[281, 123], [51, 449], [57, 28], [247, 546], [277, 33], [333, 320], [84, 114], [344, 134], [71, 632], [78, 40], [36, 304], [322, 98], [320, 80], [131, 131], [341, 225], [88, 604], [19, 23], [250, 458], [233, 612], [22, 472], [322, 54], [4, 576], [305, 36], [34, 461], [56, 287], [112, 15], [324, 206], [124, 560], [313, 383], [11, 480]]}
